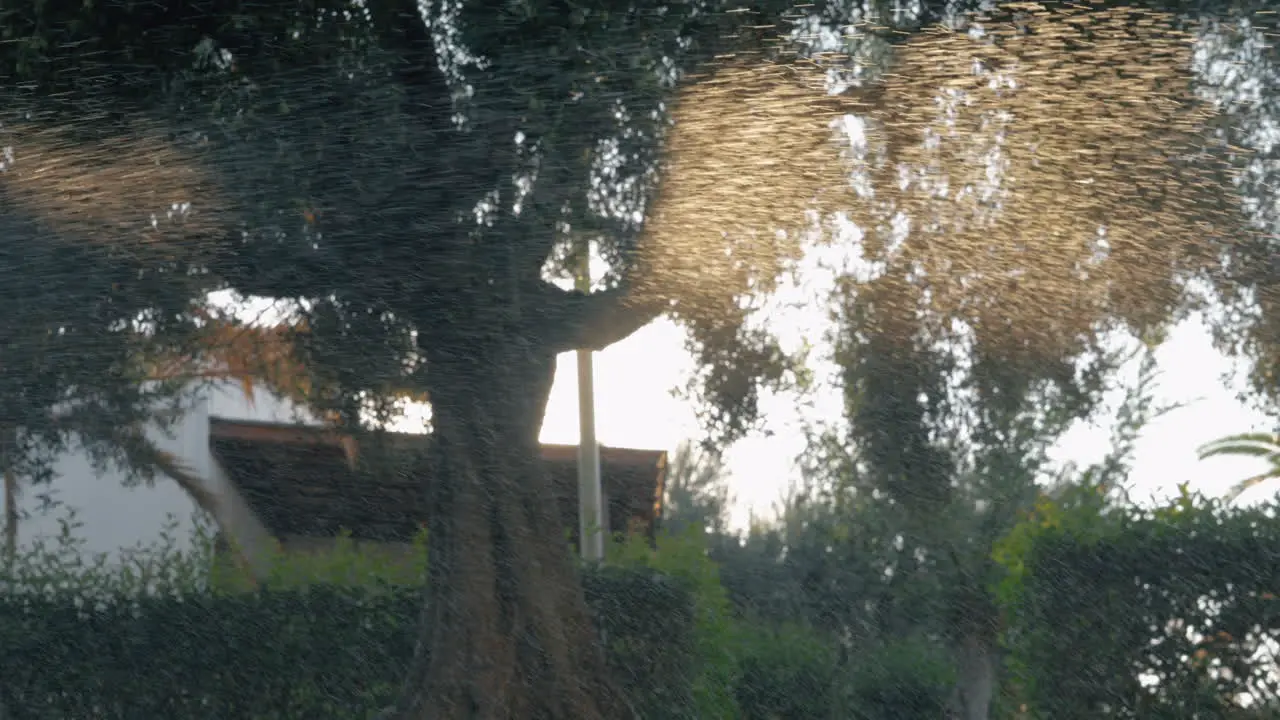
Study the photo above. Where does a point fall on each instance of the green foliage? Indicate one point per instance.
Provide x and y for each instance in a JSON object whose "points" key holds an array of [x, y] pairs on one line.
{"points": [[787, 671], [696, 491], [91, 640], [1264, 446], [52, 566], [761, 657], [1180, 593], [331, 633], [345, 563], [903, 680], [715, 632], [1260, 445], [648, 621], [1076, 513], [288, 654]]}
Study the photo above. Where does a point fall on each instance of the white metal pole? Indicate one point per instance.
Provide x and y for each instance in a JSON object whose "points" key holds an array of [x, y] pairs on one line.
{"points": [[590, 497]]}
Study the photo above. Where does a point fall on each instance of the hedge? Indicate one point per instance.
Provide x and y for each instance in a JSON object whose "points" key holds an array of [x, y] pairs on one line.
{"points": [[317, 652], [162, 636], [1140, 613]]}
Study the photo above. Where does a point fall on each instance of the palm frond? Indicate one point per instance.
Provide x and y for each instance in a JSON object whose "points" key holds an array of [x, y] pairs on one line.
{"points": [[1239, 488], [144, 453], [1258, 445], [1264, 445]]}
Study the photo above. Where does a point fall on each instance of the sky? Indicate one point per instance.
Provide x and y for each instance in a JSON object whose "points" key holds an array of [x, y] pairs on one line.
{"points": [[636, 404], [636, 408]]}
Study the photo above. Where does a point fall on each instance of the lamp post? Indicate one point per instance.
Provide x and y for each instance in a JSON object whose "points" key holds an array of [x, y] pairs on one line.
{"points": [[590, 497]]}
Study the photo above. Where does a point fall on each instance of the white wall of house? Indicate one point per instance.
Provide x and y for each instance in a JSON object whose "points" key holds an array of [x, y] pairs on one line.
{"points": [[116, 517]]}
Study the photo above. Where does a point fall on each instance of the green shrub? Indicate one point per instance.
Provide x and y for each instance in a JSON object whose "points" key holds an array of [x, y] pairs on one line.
{"points": [[345, 562], [647, 621], [716, 635], [63, 564], [289, 654], [148, 638], [316, 652], [787, 673], [1174, 595], [182, 635], [906, 680]]}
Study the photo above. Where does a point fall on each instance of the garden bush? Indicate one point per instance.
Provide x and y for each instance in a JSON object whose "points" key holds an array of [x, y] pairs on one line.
{"points": [[178, 635], [146, 636], [315, 652], [1127, 612], [715, 634], [322, 651], [786, 672], [908, 679]]}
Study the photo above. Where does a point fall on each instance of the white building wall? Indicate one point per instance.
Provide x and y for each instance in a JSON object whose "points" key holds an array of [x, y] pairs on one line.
{"points": [[115, 517]]}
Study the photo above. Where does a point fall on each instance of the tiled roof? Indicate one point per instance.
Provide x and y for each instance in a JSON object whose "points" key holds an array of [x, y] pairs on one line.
{"points": [[309, 481]]}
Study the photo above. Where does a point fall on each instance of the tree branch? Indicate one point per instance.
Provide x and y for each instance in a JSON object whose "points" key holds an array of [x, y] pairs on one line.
{"points": [[400, 26], [570, 320], [145, 455]]}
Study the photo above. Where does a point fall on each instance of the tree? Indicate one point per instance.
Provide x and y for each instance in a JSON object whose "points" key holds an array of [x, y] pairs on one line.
{"points": [[1242, 306], [1009, 249], [697, 491], [409, 180], [82, 313], [342, 181], [11, 515]]}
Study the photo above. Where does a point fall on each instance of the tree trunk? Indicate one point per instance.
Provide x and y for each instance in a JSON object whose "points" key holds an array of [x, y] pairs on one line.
{"points": [[505, 631], [975, 678], [10, 515], [8, 443]]}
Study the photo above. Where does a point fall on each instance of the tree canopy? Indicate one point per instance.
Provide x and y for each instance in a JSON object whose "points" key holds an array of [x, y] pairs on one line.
{"points": [[417, 182]]}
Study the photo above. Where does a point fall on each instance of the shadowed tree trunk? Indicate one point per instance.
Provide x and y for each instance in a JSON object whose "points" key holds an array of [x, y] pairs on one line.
{"points": [[10, 515], [975, 622], [8, 441], [977, 666], [506, 633]]}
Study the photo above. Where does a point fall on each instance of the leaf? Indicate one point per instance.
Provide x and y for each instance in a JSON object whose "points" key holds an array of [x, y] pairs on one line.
{"points": [[1247, 444], [246, 384], [1259, 445], [1244, 485]]}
